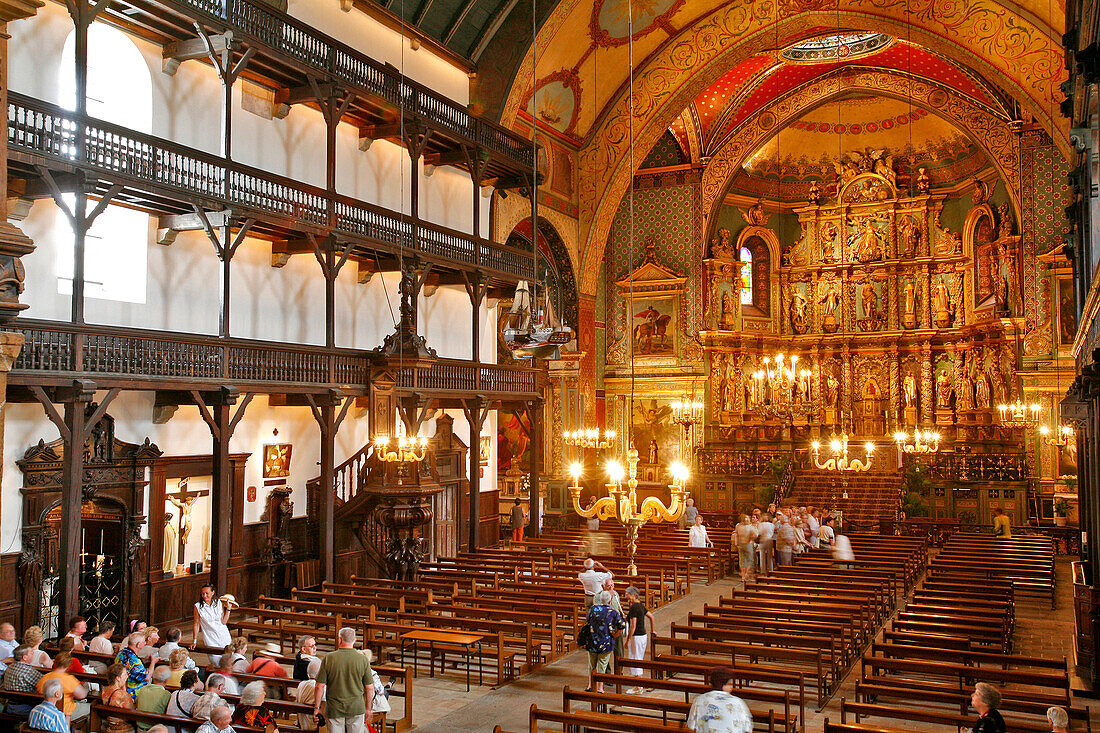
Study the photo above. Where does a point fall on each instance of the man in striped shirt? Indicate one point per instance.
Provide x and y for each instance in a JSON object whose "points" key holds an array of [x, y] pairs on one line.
{"points": [[47, 715]]}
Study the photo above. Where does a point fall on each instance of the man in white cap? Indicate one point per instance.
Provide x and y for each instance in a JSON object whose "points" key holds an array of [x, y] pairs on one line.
{"points": [[592, 579]]}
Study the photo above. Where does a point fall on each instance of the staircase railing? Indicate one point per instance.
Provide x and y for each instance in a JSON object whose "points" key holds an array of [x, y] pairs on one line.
{"points": [[349, 478], [786, 482]]}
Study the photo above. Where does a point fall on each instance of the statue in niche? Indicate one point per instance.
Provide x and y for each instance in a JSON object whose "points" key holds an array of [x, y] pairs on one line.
{"points": [[980, 193], [909, 298], [722, 247], [909, 387], [869, 407], [815, 194], [731, 389], [726, 319], [924, 183], [719, 382], [981, 389], [798, 311], [944, 307], [1000, 283], [869, 298], [652, 451], [171, 547], [828, 242], [1000, 389], [1004, 221], [184, 505], [964, 388], [785, 256], [866, 244], [830, 302], [832, 391], [944, 388], [910, 237]]}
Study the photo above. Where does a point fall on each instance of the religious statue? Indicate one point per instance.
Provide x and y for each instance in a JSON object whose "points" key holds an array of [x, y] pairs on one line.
{"points": [[731, 389], [847, 170], [944, 388], [830, 301], [1004, 221], [728, 306], [980, 193], [869, 298], [883, 165], [828, 242], [866, 244], [815, 194], [171, 547], [964, 389], [909, 386], [1000, 283], [910, 301], [832, 391], [652, 451], [798, 311], [1000, 389], [722, 247], [910, 237], [755, 215], [924, 184], [184, 505], [944, 307], [981, 389]]}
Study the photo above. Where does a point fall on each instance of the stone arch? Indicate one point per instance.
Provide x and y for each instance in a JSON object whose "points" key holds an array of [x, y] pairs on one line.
{"points": [[682, 69]]}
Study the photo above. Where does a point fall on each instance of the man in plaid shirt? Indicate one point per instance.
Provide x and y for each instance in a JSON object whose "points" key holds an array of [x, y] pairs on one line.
{"points": [[20, 676]]}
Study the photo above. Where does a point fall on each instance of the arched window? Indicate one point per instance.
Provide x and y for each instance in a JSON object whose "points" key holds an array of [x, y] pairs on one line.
{"points": [[120, 91], [746, 276]]}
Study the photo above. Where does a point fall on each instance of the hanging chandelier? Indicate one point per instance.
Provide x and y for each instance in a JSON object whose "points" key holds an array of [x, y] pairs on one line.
{"points": [[404, 450], [1019, 415], [918, 442], [623, 505], [780, 389], [687, 412], [839, 460], [1061, 438], [589, 438]]}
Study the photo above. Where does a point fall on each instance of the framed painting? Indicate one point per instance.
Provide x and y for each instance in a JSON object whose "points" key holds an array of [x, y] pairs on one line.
{"points": [[277, 460], [654, 323], [1067, 313]]}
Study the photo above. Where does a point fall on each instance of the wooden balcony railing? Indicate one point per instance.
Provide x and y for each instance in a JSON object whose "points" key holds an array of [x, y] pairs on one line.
{"points": [[154, 165], [254, 21], [144, 355]]}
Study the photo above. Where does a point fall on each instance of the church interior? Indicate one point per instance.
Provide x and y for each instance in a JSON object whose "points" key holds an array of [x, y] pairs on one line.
{"points": [[387, 314]]}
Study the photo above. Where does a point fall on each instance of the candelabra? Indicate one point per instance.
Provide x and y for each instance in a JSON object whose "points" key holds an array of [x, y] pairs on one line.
{"points": [[1063, 437], [687, 413], [406, 449], [840, 460], [1019, 415], [926, 442], [588, 438], [623, 505], [780, 388]]}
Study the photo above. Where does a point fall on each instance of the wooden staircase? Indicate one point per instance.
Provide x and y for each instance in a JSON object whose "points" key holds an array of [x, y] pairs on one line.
{"points": [[873, 496], [354, 506]]}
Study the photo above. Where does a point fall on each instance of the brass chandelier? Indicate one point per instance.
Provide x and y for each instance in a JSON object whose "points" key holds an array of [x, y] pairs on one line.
{"points": [[919, 442], [780, 389], [839, 460], [589, 438], [1061, 438], [404, 450], [1019, 415]]}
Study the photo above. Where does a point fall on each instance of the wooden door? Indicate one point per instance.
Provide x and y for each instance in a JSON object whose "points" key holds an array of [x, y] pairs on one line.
{"points": [[445, 529]]}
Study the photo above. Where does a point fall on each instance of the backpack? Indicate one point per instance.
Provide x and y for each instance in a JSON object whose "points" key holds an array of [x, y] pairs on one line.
{"points": [[584, 636]]}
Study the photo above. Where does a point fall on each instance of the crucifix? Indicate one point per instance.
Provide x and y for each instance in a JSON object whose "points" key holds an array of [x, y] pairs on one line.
{"points": [[183, 500]]}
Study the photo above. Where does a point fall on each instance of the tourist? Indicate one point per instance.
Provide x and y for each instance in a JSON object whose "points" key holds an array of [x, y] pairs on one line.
{"points": [[719, 711], [148, 655], [593, 523], [65, 646], [1002, 526], [226, 668], [219, 685], [381, 692], [32, 637], [264, 662], [1058, 719], [8, 642], [206, 703], [842, 552], [605, 625], [183, 699], [985, 699], [211, 617], [78, 626], [785, 541], [826, 533], [518, 520], [154, 697], [20, 676], [239, 654], [592, 580], [137, 624], [116, 695], [687, 518], [306, 694], [73, 692], [221, 720], [101, 644], [251, 711], [813, 521], [744, 537], [801, 542], [47, 715], [307, 652], [345, 683], [697, 535], [765, 545], [129, 657], [639, 621], [177, 665]]}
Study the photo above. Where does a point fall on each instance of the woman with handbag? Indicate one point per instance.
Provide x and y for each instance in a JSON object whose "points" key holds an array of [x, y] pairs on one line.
{"points": [[604, 625]]}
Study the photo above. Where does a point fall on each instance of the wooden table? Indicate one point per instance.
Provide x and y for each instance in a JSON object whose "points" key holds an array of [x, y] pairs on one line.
{"points": [[434, 636]]}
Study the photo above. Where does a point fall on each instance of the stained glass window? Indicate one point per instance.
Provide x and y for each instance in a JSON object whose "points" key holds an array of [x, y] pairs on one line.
{"points": [[746, 276]]}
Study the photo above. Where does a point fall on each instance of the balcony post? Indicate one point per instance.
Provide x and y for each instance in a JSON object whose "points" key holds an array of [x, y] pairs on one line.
{"points": [[534, 414], [475, 410], [328, 422]]}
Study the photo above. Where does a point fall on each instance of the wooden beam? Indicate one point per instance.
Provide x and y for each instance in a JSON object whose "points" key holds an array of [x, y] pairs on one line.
{"points": [[176, 52]]}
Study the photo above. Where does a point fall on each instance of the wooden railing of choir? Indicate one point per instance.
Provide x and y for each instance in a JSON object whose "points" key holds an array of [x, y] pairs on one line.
{"points": [[974, 466], [164, 168], [254, 22], [736, 461], [137, 353]]}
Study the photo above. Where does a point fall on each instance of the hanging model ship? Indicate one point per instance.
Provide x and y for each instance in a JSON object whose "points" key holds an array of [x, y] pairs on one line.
{"points": [[529, 340]]}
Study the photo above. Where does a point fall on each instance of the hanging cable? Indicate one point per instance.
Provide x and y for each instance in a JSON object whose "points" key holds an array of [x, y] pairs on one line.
{"points": [[630, 293]]}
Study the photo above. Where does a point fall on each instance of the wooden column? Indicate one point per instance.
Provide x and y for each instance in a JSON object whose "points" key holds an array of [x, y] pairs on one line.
{"points": [[476, 410], [328, 422]]}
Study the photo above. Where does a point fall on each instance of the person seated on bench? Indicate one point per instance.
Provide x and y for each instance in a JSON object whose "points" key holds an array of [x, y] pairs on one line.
{"points": [[719, 711], [1058, 719], [204, 706], [307, 652], [8, 642], [1002, 525], [605, 624], [221, 685], [78, 626], [221, 721], [251, 711], [20, 676], [116, 695], [985, 699], [65, 646], [171, 644], [47, 715], [72, 690], [592, 580], [154, 697], [32, 637], [177, 665], [101, 644], [184, 699], [306, 694]]}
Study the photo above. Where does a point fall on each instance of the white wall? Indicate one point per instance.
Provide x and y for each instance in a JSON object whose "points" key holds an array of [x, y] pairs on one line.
{"points": [[283, 304]]}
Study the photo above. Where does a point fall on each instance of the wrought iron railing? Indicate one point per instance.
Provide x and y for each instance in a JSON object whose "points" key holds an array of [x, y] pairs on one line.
{"points": [[969, 467], [738, 462], [107, 350], [286, 36], [153, 164]]}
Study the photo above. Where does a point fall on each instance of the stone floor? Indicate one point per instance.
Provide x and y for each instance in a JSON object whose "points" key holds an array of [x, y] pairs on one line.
{"points": [[444, 706]]}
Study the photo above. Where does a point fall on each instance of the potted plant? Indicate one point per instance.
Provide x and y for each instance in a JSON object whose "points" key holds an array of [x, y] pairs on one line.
{"points": [[1062, 509]]}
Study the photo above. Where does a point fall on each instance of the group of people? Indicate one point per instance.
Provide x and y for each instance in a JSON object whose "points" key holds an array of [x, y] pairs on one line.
{"points": [[610, 631], [764, 539], [341, 687]]}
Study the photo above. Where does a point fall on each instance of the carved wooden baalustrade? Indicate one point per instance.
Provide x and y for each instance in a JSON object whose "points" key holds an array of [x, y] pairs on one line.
{"points": [[113, 494]]}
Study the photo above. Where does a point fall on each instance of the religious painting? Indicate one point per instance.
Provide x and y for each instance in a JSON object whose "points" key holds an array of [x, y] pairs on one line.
{"points": [[486, 449], [513, 441], [654, 435], [654, 323], [1067, 460], [555, 104], [277, 460], [1067, 312], [985, 257]]}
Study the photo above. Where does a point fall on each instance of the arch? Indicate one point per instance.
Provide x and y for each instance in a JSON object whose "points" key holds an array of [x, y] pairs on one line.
{"points": [[559, 269], [765, 247], [745, 256], [682, 69]]}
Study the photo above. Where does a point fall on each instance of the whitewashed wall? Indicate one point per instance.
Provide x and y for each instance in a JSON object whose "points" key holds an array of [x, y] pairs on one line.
{"points": [[285, 304]]}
